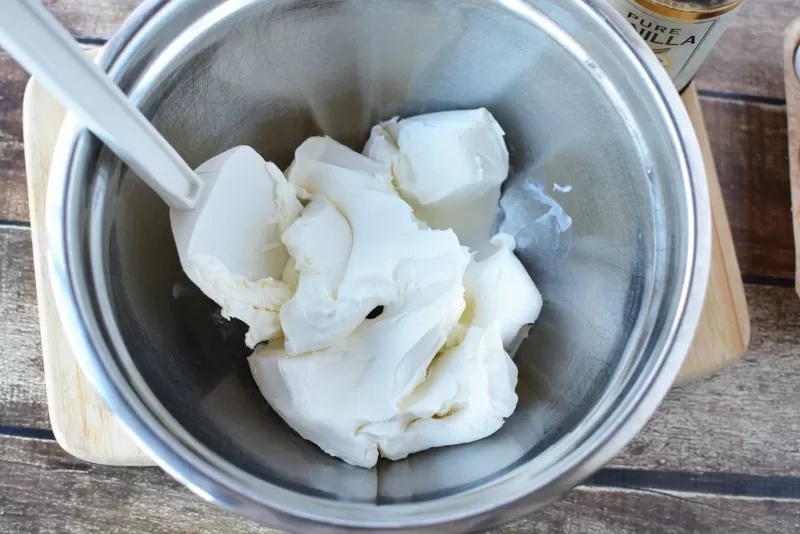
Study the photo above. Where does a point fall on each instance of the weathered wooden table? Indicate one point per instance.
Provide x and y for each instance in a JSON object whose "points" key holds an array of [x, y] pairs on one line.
{"points": [[721, 454]]}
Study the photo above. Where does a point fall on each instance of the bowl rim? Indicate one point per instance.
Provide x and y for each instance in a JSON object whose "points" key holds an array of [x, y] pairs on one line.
{"points": [[215, 480]]}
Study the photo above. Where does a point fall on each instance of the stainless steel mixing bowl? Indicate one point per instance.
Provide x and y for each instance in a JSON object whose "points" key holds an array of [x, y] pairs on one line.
{"points": [[582, 102]]}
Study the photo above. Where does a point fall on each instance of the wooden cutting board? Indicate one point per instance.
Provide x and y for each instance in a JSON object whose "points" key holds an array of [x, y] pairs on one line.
{"points": [[81, 423], [791, 44], [86, 429], [724, 330]]}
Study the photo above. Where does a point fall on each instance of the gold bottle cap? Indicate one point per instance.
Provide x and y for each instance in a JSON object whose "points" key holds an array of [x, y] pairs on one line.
{"points": [[689, 9]]}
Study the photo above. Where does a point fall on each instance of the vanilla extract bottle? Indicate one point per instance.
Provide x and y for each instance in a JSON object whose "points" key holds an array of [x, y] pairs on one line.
{"points": [[680, 32]]}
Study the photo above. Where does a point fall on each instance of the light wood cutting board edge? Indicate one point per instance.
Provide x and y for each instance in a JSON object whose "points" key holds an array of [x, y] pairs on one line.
{"points": [[81, 423], [724, 330], [790, 44], [85, 428]]}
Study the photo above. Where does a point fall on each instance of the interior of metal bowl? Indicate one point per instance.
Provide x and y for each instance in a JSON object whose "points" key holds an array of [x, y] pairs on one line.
{"points": [[576, 111]]}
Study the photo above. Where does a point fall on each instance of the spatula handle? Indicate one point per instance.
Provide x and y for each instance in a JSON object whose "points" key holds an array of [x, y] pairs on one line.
{"points": [[45, 49]]}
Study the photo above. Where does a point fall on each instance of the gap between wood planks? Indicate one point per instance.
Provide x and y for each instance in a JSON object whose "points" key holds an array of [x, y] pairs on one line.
{"points": [[734, 484], [91, 41], [9, 224], [739, 97], [27, 432]]}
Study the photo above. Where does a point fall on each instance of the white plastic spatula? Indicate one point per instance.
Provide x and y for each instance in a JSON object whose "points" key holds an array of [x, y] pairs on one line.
{"points": [[222, 211], [46, 50]]}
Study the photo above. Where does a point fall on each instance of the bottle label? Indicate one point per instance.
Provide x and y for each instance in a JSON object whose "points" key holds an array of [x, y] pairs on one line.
{"points": [[680, 39]]}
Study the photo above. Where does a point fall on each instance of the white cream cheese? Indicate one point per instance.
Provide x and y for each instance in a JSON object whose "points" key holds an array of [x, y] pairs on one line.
{"points": [[225, 248], [394, 387], [500, 293], [391, 251], [256, 303], [348, 400], [449, 166], [319, 243], [357, 247], [467, 395], [387, 335], [449, 156]]}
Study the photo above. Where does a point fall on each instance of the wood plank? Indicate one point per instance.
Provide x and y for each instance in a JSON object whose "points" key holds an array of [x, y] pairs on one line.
{"points": [[42, 489], [742, 420], [23, 401], [91, 18], [745, 418], [749, 142], [791, 51], [13, 191], [603, 511], [748, 58]]}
